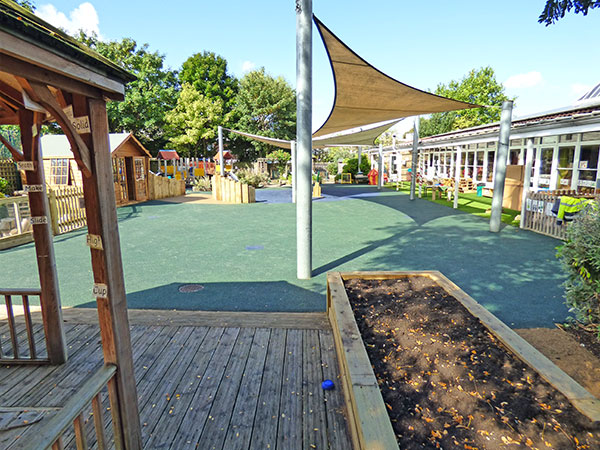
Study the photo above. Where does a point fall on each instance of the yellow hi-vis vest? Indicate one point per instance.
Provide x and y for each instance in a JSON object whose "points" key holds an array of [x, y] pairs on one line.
{"points": [[569, 206]]}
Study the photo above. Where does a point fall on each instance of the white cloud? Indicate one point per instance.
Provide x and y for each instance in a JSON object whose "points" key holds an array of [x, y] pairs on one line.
{"points": [[248, 66], [523, 80], [84, 17]]}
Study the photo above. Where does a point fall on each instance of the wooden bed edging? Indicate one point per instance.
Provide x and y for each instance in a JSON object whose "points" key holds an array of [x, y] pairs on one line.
{"points": [[579, 397], [369, 423]]}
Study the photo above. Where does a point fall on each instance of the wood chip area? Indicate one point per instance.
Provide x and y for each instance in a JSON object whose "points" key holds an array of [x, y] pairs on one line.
{"points": [[209, 387]]}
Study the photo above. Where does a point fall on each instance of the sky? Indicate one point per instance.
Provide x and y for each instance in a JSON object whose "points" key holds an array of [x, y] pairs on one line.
{"points": [[421, 44]]}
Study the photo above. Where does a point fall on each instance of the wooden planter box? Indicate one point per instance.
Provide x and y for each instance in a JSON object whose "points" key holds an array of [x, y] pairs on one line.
{"points": [[369, 422]]}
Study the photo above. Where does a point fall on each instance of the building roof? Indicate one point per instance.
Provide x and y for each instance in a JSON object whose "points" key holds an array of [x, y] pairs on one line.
{"points": [[167, 154], [57, 145], [25, 25]]}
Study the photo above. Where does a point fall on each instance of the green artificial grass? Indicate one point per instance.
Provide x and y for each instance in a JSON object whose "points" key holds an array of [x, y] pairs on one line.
{"points": [[469, 203]]}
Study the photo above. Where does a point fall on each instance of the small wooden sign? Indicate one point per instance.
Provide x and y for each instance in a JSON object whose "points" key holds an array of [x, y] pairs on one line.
{"points": [[81, 124], [94, 241], [34, 130], [27, 166], [39, 220], [33, 188], [100, 290], [68, 111]]}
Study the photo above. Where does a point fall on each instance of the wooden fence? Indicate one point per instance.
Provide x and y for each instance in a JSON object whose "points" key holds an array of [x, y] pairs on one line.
{"points": [[163, 187], [67, 208], [538, 212], [230, 191], [8, 171], [15, 224]]}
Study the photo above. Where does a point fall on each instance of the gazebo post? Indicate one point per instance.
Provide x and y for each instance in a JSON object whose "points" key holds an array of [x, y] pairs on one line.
{"points": [[108, 271], [29, 123], [294, 168], [380, 167], [500, 170]]}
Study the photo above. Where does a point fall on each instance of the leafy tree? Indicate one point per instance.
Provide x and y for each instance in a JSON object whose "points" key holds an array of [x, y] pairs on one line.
{"points": [[352, 166], [148, 98], [479, 87], [12, 134], [265, 106], [556, 9], [193, 123], [28, 5], [208, 74], [281, 158]]}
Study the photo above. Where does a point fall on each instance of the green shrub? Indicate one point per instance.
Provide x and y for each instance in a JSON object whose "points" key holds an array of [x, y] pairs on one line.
{"points": [[202, 184], [5, 188], [352, 166], [580, 256], [253, 179]]}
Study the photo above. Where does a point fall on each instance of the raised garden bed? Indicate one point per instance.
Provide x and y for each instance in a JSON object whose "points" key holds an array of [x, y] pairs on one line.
{"points": [[447, 372]]}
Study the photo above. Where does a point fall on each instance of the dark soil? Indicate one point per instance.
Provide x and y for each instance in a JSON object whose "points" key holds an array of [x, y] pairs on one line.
{"points": [[448, 383], [585, 337]]}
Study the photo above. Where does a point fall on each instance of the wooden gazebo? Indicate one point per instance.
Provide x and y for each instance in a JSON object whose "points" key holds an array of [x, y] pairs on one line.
{"points": [[47, 76]]}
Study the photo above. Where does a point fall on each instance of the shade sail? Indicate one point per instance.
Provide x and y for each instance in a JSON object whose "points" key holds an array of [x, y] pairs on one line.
{"points": [[361, 136], [365, 95]]}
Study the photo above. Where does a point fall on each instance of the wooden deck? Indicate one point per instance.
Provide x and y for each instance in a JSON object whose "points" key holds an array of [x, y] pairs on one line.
{"points": [[212, 381]]}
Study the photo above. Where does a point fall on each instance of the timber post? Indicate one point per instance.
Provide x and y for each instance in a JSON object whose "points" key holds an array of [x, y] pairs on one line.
{"points": [[29, 123], [108, 273]]}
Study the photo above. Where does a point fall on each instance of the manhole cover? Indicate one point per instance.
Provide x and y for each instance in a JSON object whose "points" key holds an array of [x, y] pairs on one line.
{"points": [[189, 288]]}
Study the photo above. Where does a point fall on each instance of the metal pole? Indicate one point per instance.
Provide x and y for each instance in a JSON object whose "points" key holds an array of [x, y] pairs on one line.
{"points": [[526, 180], [294, 168], [359, 159], [500, 171], [380, 167], [457, 175], [304, 138], [221, 161], [415, 158]]}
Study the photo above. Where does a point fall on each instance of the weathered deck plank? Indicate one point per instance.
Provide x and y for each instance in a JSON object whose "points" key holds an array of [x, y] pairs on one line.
{"points": [[201, 387]]}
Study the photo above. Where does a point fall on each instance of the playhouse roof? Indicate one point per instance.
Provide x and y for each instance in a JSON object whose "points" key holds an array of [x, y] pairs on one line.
{"points": [[57, 145], [167, 154]]}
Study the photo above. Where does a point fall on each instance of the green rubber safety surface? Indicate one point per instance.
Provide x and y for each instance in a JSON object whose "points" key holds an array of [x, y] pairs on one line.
{"points": [[244, 256]]}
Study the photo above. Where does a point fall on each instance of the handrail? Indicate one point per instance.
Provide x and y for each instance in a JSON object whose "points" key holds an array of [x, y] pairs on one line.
{"points": [[15, 199], [48, 434], [20, 291]]}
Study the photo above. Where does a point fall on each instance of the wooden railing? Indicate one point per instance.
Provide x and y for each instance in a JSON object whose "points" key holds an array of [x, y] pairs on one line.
{"points": [[538, 212], [66, 208], [54, 434], [15, 355]]}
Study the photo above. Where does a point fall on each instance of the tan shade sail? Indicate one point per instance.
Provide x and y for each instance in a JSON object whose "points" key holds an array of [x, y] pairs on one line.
{"points": [[362, 136], [365, 95], [281, 143]]}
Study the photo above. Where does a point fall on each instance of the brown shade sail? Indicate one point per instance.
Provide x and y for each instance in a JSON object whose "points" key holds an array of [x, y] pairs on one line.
{"points": [[364, 95]]}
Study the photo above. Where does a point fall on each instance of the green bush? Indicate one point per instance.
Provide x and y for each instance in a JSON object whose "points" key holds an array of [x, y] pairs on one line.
{"points": [[352, 166], [5, 188], [202, 184], [253, 179], [580, 256]]}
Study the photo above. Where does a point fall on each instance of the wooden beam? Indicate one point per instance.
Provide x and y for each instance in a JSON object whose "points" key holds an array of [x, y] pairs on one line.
{"points": [[108, 270], [29, 123], [45, 98], [34, 56], [16, 154], [11, 95]]}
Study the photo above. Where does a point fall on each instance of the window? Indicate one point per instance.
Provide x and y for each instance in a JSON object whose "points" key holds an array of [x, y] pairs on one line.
{"points": [[545, 166], [490, 165], [59, 171], [513, 156], [588, 167], [565, 166]]}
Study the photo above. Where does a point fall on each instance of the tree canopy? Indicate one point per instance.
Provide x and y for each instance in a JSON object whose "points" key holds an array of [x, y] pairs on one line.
{"points": [[479, 87], [267, 106], [193, 123], [148, 98], [556, 9]]}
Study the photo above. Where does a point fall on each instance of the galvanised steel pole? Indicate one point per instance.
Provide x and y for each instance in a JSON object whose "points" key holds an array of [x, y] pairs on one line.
{"points": [[294, 168], [380, 168], [221, 162], [500, 171], [415, 159], [359, 159], [457, 175], [304, 138], [526, 180]]}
